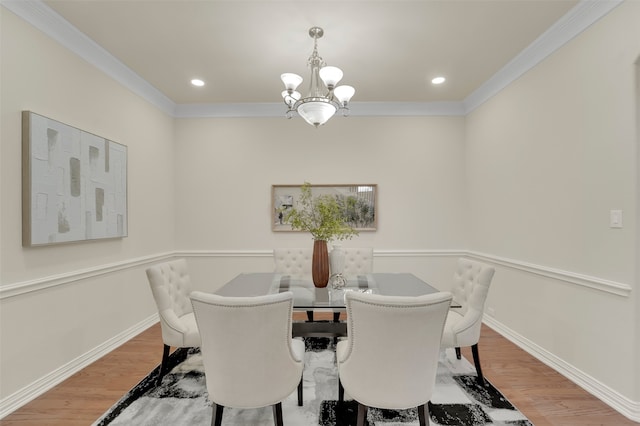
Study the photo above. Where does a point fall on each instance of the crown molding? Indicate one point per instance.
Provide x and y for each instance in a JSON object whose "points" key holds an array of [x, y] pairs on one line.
{"points": [[358, 109], [267, 109], [41, 16], [578, 19], [372, 109], [55, 26]]}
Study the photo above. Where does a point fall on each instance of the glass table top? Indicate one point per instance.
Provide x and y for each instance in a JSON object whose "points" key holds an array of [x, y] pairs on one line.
{"points": [[306, 296]]}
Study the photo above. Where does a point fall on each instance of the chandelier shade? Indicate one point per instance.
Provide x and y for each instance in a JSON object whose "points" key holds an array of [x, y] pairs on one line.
{"points": [[343, 93], [330, 76], [291, 81], [316, 111], [324, 99]]}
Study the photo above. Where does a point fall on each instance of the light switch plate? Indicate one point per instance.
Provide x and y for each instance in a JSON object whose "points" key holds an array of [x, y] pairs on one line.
{"points": [[615, 219]]}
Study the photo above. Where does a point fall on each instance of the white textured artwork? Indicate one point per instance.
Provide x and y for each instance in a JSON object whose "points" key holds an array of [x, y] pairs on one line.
{"points": [[74, 184]]}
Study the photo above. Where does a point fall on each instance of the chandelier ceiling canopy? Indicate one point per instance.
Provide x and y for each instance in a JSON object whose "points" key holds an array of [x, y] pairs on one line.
{"points": [[324, 98]]}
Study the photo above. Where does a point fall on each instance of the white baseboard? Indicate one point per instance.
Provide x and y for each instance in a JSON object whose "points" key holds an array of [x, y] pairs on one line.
{"points": [[615, 400], [45, 383]]}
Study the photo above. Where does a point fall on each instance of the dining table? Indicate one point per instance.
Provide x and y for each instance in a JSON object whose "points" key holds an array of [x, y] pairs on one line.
{"points": [[307, 297]]}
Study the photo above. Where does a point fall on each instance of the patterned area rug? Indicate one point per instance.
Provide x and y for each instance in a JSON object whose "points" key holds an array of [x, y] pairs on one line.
{"points": [[182, 398]]}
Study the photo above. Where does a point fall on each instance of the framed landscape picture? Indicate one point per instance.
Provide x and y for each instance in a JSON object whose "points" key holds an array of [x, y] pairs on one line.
{"points": [[74, 184], [359, 202]]}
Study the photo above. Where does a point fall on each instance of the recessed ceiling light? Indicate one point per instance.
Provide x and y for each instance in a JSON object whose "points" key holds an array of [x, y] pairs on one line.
{"points": [[197, 82], [438, 80]]}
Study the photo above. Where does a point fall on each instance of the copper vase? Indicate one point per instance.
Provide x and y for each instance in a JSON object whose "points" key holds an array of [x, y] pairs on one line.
{"points": [[320, 264]]}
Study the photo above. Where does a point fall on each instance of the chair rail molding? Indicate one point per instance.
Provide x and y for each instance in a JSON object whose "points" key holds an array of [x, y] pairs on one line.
{"points": [[607, 286], [223, 253], [269, 253], [23, 287], [420, 253]]}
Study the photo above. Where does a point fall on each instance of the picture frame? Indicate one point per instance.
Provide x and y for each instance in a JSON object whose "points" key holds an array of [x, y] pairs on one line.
{"points": [[362, 215], [74, 184]]}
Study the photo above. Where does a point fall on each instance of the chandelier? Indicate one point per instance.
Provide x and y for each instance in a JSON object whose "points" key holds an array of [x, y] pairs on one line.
{"points": [[324, 98]]}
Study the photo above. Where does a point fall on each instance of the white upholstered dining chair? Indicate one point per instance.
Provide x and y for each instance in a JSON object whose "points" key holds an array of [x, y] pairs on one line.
{"points": [[471, 282], [293, 261], [171, 285], [357, 261], [390, 357], [249, 357], [297, 263]]}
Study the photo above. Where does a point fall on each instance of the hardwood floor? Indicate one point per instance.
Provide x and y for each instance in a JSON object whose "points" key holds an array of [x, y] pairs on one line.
{"points": [[543, 395], [546, 397]]}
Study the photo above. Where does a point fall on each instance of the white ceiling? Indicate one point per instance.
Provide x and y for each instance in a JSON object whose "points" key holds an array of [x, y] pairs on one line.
{"points": [[388, 50]]}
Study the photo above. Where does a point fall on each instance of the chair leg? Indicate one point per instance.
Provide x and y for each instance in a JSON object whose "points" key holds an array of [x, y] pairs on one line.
{"points": [[310, 315], [423, 414], [163, 365], [216, 418], [476, 361], [458, 354], [336, 318], [340, 391], [362, 414], [300, 393], [277, 414]]}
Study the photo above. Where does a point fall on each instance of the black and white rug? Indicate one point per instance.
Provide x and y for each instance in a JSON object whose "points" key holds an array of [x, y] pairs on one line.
{"points": [[182, 398]]}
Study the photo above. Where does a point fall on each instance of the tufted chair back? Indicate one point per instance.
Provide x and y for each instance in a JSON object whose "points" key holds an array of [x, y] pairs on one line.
{"points": [[249, 357], [357, 261], [293, 261], [171, 286], [471, 281], [401, 372]]}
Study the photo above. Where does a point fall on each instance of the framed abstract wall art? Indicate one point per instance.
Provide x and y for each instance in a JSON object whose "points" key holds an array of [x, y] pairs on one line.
{"points": [[359, 202], [74, 184]]}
